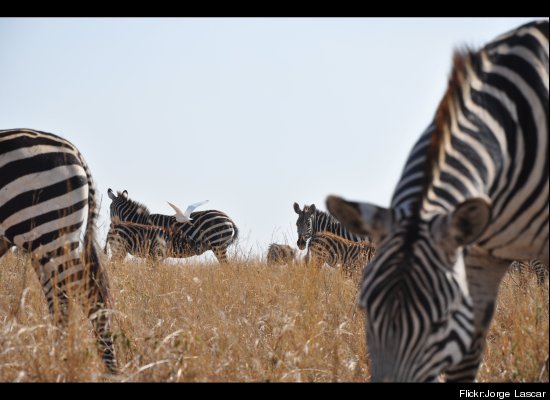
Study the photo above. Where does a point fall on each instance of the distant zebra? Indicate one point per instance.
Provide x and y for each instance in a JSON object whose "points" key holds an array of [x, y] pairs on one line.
{"points": [[208, 230], [325, 247], [310, 221], [532, 267], [138, 240], [472, 197], [280, 254], [46, 194]]}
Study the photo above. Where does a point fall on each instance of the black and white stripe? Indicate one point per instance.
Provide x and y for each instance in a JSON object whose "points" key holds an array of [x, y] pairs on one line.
{"points": [[532, 267], [280, 254], [208, 230], [472, 198], [138, 240], [335, 251], [311, 220], [46, 194]]}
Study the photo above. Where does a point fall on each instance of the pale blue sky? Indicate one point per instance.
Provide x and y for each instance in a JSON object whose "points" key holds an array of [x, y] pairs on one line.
{"points": [[250, 113]]}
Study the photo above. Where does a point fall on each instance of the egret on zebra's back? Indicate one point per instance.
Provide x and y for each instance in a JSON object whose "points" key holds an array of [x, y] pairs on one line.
{"points": [[186, 216]]}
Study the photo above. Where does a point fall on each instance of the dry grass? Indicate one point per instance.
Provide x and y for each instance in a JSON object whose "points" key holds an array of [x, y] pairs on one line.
{"points": [[239, 322]]}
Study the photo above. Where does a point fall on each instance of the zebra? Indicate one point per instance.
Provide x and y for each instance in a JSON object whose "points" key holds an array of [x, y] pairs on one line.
{"points": [[473, 196], [46, 194], [280, 254], [311, 220], [325, 247], [138, 240], [208, 230], [535, 267]]}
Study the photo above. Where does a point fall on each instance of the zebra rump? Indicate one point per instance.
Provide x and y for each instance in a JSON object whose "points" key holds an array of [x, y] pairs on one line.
{"points": [[46, 194], [325, 247]]}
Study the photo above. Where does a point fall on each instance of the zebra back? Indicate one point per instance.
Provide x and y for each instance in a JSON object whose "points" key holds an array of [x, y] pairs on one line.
{"points": [[334, 250], [210, 228], [139, 240], [280, 254]]}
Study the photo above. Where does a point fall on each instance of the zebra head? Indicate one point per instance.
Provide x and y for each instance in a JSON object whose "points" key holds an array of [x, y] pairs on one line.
{"points": [[419, 313], [304, 224], [124, 209]]}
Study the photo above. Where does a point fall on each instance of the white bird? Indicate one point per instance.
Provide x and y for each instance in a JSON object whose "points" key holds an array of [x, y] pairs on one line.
{"points": [[185, 216]]}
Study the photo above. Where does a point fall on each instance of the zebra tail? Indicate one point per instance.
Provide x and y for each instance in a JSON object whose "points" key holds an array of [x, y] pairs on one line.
{"points": [[97, 284], [236, 235], [93, 265]]}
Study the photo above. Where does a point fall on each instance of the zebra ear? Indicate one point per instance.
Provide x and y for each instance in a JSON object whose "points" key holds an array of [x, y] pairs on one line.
{"points": [[469, 220], [125, 194], [297, 208], [111, 194], [312, 208], [360, 218]]}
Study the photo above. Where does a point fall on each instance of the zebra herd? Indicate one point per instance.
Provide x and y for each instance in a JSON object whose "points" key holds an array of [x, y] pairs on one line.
{"points": [[472, 198], [134, 230]]}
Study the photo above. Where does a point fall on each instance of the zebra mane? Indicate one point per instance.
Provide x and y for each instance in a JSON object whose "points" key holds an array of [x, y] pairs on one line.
{"points": [[464, 60], [327, 215], [344, 240], [136, 205]]}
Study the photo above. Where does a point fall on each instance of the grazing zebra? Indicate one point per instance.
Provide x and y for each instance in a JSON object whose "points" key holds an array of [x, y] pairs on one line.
{"points": [[280, 254], [473, 196], [533, 266], [138, 240], [207, 230], [325, 247], [46, 194], [310, 221]]}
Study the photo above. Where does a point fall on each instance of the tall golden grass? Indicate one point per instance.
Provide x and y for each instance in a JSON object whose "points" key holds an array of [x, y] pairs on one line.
{"points": [[243, 321]]}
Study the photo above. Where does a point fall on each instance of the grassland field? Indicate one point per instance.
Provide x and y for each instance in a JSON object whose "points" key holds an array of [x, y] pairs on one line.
{"points": [[244, 321]]}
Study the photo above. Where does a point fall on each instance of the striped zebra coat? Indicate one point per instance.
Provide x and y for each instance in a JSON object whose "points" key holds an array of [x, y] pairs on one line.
{"points": [[280, 254], [473, 197], [533, 267], [325, 247], [138, 240], [46, 195], [311, 220], [208, 230]]}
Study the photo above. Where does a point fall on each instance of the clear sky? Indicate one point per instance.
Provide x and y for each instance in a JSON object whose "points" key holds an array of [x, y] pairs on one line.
{"points": [[252, 114]]}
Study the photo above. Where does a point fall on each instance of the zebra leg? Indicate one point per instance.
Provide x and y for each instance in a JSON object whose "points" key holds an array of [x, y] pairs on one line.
{"points": [[540, 270], [52, 276], [221, 254], [159, 249], [65, 276], [118, 250], [4, 246], [95, 304], [314, 259], [483, 275]]}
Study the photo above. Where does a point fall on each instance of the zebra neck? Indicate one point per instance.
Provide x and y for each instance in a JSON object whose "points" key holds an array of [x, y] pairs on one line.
{"points": [[161, 220], [325, 222]]}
